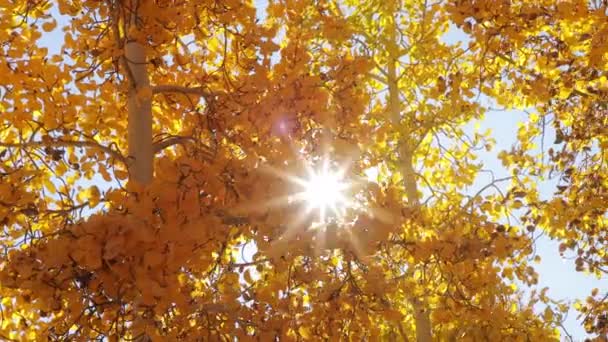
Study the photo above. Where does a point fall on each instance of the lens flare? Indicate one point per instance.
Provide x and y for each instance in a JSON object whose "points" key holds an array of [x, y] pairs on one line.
{"points": [[324, 191], [320, 191]]}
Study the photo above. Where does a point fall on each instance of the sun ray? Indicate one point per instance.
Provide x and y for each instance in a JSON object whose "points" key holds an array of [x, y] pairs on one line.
{"points": [[356, 245], [259, 207], [324, 191], [318, 204], [293, 226], [283, 175]]}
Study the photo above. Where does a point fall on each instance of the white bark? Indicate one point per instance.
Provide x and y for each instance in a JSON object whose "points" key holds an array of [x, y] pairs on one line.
{"points": [[421, 311], [139, 137]]}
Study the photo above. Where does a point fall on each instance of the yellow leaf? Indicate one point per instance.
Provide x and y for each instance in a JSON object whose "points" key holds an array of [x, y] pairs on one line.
{"points": [[304, 332], [49, 26], [392, 315], [247, 276], [104, 173], [120, 174], [93, 196], [50, 186]]}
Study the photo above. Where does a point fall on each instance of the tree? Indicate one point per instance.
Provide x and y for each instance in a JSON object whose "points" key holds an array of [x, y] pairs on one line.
{"points": [[155, 185], [552, 56]]}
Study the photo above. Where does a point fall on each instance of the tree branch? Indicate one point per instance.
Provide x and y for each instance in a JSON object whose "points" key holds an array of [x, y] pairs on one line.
{"points": [[174, 140], [170, 88], [246, 264], [119, 41], [181, 140], [377, 78], [65, 143]]}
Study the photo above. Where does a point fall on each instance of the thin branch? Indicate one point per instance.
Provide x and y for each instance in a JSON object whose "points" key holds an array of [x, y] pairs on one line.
{"points": [[232, 220], [490, 185], [174, 140], [120, 41], [377, 78], [247, 264], [64, 143], [570, 338], [595, 306], [180, 140], [170, 88]]}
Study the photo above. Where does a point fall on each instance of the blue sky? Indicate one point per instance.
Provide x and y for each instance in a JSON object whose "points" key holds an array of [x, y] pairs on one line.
{"points": [[556, 273]]}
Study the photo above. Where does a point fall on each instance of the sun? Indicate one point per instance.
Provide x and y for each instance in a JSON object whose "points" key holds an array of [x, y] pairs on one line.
{"points": [[324, 198], [324, 190], [319, 189]]}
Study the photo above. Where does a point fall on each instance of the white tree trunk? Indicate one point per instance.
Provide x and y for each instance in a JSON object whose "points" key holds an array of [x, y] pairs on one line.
{"points": [[141, 167], [421, 311]]}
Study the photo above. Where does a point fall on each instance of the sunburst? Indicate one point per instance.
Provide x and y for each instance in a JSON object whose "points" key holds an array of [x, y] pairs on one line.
{"points": [[326, 197], [324, 190]]}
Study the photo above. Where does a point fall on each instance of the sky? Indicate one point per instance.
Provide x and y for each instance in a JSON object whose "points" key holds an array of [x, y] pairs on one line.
{"points": [[556, 273]]}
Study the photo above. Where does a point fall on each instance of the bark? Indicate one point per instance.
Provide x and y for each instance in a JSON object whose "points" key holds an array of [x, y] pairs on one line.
{"points": [[421, 310], [141, 150]]}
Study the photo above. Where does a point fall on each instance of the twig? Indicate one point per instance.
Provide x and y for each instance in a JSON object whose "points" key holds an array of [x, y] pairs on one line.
{"points": [[170, 88], [181, 140], [64, 143]]}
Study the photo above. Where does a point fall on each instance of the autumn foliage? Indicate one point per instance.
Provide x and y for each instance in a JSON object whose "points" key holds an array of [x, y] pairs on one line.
{"points": [[148, 150]]}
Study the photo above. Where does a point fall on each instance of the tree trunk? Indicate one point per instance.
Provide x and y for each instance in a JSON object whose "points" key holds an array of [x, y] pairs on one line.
{"points": [[141, 167], [421, 312], [139, 125]]}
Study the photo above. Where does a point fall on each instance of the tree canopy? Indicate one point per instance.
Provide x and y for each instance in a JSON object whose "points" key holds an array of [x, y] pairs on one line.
{"points": [[298, 169]]}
